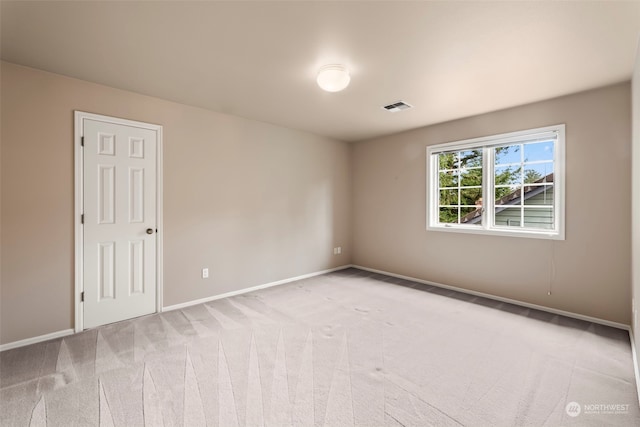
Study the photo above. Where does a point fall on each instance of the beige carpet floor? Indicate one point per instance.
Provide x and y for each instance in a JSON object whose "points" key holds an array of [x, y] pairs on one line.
{"points": [[343, 349]]}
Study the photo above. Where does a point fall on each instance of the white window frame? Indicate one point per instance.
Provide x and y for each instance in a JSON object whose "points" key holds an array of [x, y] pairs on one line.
{"points": [[486, 144]]}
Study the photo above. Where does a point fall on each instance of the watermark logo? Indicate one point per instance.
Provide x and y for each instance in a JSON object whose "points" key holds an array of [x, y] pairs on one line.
{"points": [[573, 409]]}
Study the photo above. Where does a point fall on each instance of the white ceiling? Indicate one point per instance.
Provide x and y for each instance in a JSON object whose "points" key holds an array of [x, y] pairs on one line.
{"points": [[259, 59]]}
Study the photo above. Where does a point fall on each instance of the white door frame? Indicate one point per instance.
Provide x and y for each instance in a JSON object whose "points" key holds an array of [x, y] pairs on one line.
{"points": [[79, 117]]}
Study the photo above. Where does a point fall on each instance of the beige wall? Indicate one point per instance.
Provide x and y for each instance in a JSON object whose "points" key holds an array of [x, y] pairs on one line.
{"points": [[588, 273], [253, 202], [257, 203]]}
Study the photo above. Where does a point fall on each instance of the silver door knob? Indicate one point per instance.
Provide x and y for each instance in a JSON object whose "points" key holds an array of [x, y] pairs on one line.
{"points": [[149, 230]]}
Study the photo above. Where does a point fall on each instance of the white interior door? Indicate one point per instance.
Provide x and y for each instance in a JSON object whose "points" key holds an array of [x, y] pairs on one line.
{"points": [[120, 228]]}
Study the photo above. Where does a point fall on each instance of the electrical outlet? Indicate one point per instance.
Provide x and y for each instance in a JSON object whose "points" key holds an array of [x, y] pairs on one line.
{"points": [[205, 273], [337, 250]]}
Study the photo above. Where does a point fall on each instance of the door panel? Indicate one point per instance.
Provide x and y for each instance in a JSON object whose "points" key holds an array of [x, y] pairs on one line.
{"points": [[119, 175]]}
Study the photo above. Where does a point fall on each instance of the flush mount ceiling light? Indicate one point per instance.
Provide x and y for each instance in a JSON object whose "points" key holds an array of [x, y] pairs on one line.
{"points": [[333, 77]]}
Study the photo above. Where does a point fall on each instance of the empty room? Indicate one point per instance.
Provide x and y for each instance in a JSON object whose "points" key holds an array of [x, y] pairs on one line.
{"points": [[319, 213]]}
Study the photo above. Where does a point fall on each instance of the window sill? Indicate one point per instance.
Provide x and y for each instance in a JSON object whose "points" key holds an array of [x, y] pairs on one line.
{"points": [[530, 234]]}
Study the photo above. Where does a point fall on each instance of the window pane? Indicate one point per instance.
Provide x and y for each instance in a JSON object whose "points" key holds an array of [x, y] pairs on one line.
{"points": [[471, 215], [507, 195], [471, 196], [449, 215], [471, 159], [470, 177], [538, 151], [542, 172], [447, 160], [506, 175], [539, 195], [449, 197], [460, 185], [448, 179], [538, 218], [509, 217], [507, 154]]}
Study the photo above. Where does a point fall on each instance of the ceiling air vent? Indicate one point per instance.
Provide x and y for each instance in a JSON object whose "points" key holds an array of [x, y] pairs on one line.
{"points": [[397, 106]]}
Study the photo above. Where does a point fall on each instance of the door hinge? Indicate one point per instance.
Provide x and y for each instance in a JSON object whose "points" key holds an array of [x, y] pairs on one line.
{"points": [[82, 219], [82, 141], [82, 296]]}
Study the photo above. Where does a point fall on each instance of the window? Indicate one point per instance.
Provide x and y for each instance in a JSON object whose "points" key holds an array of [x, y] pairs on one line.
{"points": [[509, 184]]}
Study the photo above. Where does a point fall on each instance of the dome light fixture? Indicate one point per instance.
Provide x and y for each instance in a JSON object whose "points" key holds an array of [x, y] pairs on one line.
{"points": [[333, 77]]}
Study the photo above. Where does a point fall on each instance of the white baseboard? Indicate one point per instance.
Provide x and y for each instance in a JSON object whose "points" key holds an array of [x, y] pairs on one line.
{"points": [[34, 340], [66, 332], [251, 289], [634, 359], [501, 299]]}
